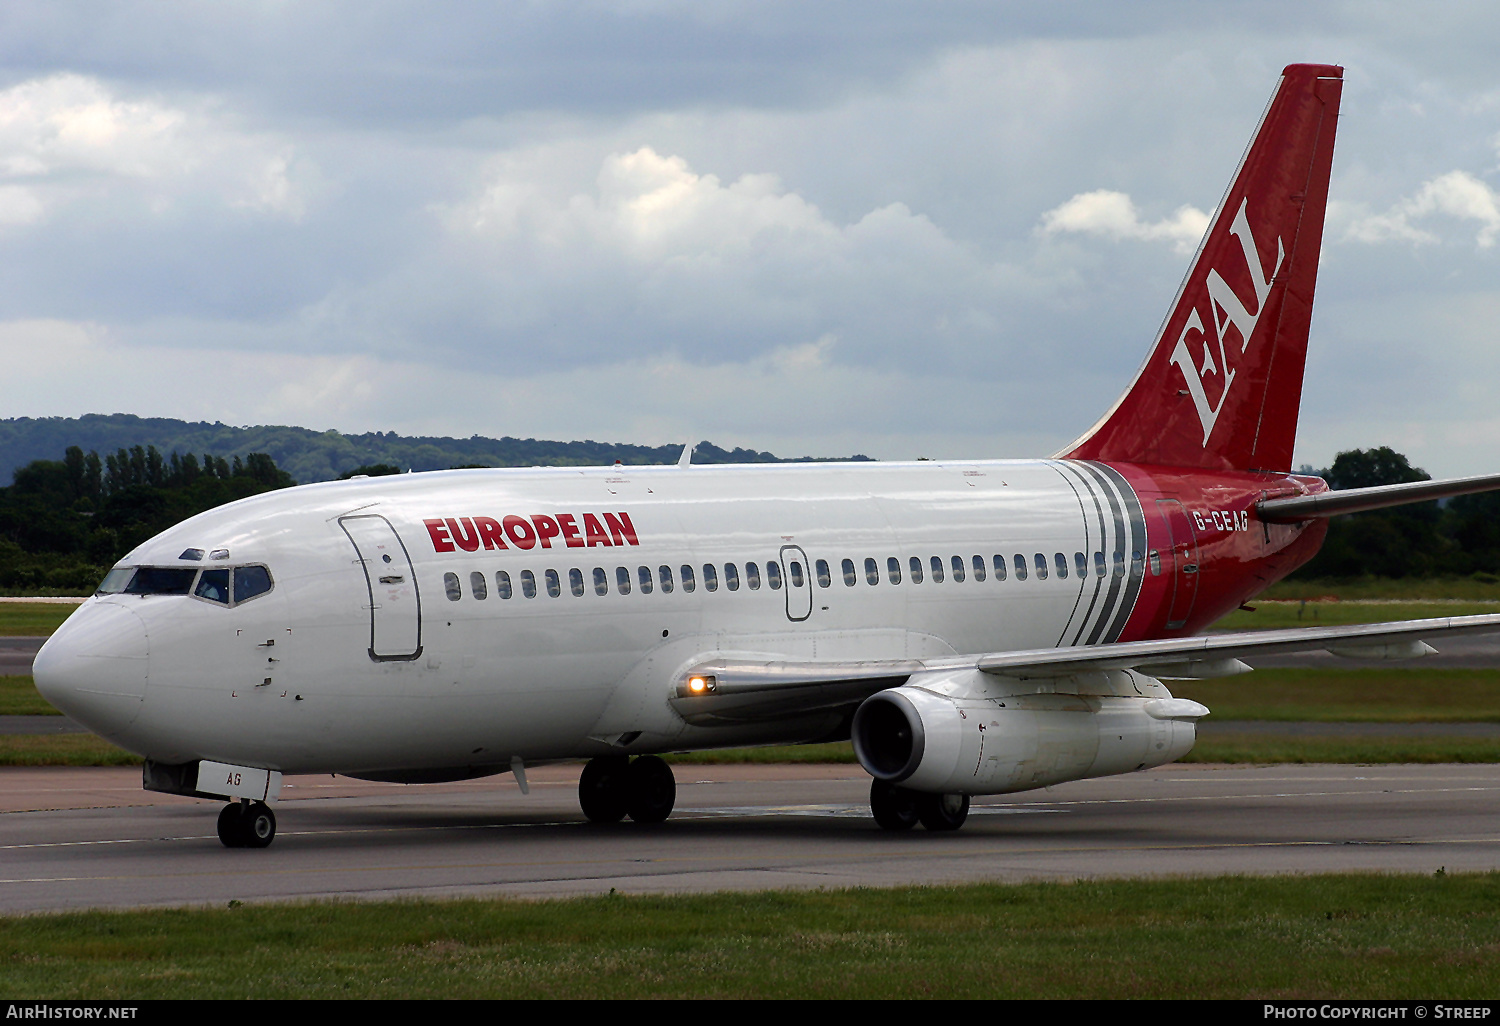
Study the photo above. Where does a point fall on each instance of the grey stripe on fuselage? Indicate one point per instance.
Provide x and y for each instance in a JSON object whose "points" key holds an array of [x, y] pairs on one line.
{"points": [[1074, 477], [1127, 590]]}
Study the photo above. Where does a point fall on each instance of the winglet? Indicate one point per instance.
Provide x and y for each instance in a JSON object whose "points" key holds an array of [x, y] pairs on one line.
{"points": [[686, 459]]}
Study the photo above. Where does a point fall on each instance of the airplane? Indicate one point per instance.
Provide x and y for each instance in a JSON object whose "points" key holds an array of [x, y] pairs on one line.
{"points": [[975, 627]]}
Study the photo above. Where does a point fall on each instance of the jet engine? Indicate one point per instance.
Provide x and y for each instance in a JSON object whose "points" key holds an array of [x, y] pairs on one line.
{"points": [[971, 733]]}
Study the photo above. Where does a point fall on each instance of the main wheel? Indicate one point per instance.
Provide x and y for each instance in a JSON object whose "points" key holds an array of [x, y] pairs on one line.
{"points": [[230, 834], [895, 808], [602, 788], [258, 825], [651, 790], [942, 811]]}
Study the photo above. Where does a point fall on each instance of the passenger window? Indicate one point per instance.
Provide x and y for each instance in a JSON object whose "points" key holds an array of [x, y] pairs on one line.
{"points": [[1155, 563], [773, 574], [1119, 564], [575, 581], [958, 569], [554, 584], [214, 586], [643, 578], [825, 578], [915, 566], [848, 567], [1137, 563], [450, 586], [1020, 562], [710, 577], [689, 582], [978, 568], [502, 584], [1099, 570], [937, 569], [872, 571], [999, 564], [752, 576], [665, 573], [731, 577], [1061, 562], [622, 580], [893, 569], [601, 581], [1040, 559], [1081, 564], [249, 581], [794, 569], [528, 584], [477, 587]]}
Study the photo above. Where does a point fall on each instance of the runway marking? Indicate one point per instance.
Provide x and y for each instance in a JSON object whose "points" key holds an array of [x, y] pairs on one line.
{"points": [[760, 863], [831, 811]]}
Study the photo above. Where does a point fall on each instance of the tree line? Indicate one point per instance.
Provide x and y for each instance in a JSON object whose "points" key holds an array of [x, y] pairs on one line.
{"points": [[63, 523]]}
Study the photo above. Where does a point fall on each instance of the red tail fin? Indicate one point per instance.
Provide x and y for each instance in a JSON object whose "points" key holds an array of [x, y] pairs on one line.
{"points": [[1223, 383]]}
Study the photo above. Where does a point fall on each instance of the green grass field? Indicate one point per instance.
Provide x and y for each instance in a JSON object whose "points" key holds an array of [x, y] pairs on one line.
{"points": [[18, 697], [1347, 936], [32, 619]]}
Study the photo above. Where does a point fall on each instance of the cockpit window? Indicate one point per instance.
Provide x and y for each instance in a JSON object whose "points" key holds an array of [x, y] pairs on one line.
{"points": [[250, 581], [161, 580], [114, 582], [214, 586]]}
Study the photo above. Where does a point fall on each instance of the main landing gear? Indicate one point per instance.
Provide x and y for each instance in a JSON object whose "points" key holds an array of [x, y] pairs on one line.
{"points": [[247, 825], [896, 808], [613, 787]]}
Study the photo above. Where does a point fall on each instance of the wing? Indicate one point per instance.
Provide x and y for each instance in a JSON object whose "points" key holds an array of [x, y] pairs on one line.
{"points": [[745, 690]]}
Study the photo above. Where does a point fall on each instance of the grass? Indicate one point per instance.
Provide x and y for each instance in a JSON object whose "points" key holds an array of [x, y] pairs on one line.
{"points": [[62, 750], [1312, 748], [1277, 614], [1336, 936], [1474, 589], [32, 619], [1404, 695], [19, 697]]}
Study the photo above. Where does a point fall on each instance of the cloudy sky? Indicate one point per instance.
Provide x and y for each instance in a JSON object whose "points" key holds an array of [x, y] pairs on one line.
{"points": [[941, 229]]}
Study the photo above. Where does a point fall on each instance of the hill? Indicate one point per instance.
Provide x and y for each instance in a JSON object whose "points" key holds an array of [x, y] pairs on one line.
{"points": [[309, 455]]}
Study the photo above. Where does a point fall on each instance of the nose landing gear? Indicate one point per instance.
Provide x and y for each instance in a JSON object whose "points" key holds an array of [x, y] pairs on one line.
{"points": [[247, 825], [613, 787]]}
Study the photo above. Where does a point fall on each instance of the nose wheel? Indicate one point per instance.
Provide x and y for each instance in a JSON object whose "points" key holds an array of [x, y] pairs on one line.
{"points": [[613, 787], [247, 825]]}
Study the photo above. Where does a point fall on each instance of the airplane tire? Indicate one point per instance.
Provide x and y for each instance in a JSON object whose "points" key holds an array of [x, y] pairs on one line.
{"points": [[258, 825], [652, 790], [895, 808], [602, 789], [229, 826], [942, 811]]}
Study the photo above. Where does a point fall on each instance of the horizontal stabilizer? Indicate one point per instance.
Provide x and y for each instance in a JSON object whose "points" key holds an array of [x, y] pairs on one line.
{"points": [[1357, 500]]}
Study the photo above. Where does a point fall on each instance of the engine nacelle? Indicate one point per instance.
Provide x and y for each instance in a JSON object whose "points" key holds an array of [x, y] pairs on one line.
{"points": [[949, 736]]}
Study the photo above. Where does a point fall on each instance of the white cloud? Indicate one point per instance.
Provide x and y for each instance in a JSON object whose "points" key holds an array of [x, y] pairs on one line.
{"points": [[67, 134], [1456, 194], [1113, 215]]}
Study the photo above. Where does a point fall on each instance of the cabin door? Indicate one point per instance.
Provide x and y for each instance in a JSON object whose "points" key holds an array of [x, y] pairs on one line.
{"points": [[395, 605], [799, 587], [1184, 562]]}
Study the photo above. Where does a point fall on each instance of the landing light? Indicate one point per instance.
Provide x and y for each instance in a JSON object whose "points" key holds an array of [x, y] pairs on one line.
{"points": [[701, 685]]}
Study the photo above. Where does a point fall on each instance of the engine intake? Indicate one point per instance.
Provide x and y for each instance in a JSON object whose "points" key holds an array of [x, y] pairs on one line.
{"points": [[925, 740]]}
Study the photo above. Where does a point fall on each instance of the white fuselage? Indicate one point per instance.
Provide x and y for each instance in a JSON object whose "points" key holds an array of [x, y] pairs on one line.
{"points": [[335, 669]]}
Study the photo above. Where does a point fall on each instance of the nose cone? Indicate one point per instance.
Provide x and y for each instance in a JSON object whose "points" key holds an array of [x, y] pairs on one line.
{"points": [[94, 668]]}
